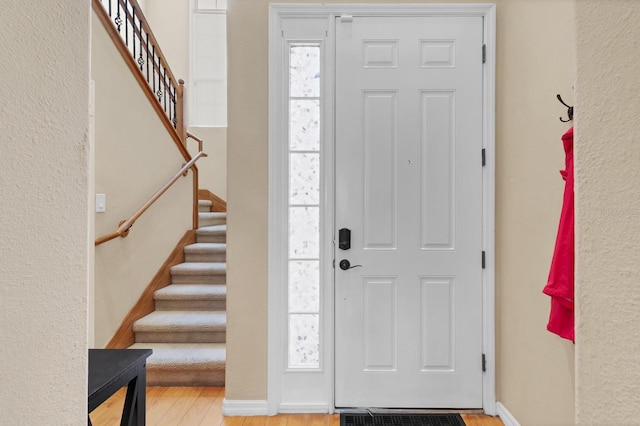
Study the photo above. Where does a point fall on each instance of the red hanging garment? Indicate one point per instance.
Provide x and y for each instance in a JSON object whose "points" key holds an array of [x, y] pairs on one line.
{"points": [[560, 283]]}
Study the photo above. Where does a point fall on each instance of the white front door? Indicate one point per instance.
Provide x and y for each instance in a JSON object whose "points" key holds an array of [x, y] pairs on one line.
{"points": [[408, 321]]}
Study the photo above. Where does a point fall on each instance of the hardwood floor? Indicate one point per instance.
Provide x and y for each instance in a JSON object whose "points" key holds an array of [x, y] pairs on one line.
{"points": [[203, 406]]}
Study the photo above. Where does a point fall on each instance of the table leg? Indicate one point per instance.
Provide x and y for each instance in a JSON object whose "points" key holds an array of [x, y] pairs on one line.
{"points": [[141, 395], [130, 405]]}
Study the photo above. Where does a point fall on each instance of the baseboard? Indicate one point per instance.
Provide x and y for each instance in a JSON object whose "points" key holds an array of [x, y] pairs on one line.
{"points": [[241, 407], [506, 417], [293, 408]]}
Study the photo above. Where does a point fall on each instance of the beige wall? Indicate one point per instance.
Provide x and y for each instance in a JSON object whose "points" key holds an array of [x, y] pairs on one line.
{"points": [[169, 21], [135, 156], [535, 61], [44, 93], [607, 213], [212, 169]]}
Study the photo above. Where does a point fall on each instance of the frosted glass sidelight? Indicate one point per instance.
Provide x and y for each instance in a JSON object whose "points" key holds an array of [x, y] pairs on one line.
{"points": [[304, 232], [304, 125], [304, 206], [304, 341], [304, 283], [304, 178], [304, 72]]}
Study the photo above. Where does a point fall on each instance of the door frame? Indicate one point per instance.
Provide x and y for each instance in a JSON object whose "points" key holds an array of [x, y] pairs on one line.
{"points": [[280, 381]]}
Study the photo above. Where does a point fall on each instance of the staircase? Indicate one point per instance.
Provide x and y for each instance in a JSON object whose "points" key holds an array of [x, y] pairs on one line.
{"points": [[187, 330]]}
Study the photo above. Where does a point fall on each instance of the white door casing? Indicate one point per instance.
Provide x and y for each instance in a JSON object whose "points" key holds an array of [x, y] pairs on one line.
{"points": [[409, 187], [288, 395]]}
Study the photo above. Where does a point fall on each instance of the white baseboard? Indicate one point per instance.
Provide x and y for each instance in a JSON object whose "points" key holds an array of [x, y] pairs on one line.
{"points": [[242, 407], [506, 417], [294, 408]]}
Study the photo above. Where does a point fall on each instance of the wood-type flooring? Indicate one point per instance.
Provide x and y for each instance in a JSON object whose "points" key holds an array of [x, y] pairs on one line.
{"points": [[202, 406]]}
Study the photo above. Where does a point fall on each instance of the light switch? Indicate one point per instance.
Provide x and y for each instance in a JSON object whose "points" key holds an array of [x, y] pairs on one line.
{"points": [[101, 203]]}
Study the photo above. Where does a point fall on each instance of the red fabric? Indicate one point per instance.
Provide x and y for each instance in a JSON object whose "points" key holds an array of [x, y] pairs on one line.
{"points": [[560, 282]]}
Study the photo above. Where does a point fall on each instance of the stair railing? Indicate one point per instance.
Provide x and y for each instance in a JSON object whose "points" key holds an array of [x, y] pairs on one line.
{"points": [[124, 20], [126, 224], [129, 30]]}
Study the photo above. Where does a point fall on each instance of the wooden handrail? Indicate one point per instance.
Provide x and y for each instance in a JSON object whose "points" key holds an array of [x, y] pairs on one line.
{"points": [[195, 138], [125, 225]]}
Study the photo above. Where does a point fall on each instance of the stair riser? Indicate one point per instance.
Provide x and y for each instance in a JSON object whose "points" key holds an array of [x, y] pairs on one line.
{"points": [[211, 221], [206, 257], [191, 305], [183, 337], [216, 238], [204, 206], [198, 279], [178, 377]]}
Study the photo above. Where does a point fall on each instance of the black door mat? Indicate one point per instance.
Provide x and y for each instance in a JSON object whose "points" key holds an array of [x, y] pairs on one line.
{"points": [[401, 419]]}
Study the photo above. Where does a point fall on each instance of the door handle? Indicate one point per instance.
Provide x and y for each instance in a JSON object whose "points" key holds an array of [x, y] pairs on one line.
{"points": [[346, 265], [344, 239]]}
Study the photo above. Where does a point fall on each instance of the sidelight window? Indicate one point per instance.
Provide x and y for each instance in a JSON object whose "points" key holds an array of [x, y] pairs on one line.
{"points": [[304, 206]]}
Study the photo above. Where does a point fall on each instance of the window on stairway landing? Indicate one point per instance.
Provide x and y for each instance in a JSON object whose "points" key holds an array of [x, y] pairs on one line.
{"points": [[304, 206], [208, 88]]}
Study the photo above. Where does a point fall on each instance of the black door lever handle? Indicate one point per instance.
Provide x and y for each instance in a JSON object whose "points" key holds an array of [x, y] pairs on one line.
{"points": [[346, 265]]}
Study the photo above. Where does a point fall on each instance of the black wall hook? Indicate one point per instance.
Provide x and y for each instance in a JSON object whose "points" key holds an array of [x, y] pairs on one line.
{"points": [[569, 110]]}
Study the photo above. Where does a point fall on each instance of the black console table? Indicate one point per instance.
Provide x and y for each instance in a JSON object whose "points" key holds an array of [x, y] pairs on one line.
{"points": [[112, 369]]}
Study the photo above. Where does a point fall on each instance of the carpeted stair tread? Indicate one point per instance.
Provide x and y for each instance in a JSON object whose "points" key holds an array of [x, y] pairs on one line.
{"points": [[212, 234], [200, 268], [185, 364], [210, 356], [181, 322], [212, 218], [192, 292], [205, 252], [205, 247]]}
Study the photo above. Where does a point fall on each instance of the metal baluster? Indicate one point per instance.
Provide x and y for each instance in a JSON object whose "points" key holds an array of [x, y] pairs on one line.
{"points": [[170, 99], [126, 23], [109, 8], [153, 69], [133, 25], [118, 19], [164, 83], [147, 57], [140, 59], [175, 106], [159, 92]]}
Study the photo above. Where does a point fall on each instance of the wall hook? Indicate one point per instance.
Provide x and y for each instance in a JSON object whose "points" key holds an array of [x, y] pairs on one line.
{"points": [[569, 109]]}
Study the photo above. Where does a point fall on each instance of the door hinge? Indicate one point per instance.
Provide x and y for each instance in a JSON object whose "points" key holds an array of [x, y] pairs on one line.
{"points": [[484, 363], [483, 259], [484, 53], [484, 157], [334, 264]]}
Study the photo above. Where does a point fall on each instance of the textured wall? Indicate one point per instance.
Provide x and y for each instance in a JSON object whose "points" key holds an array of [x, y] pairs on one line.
{"points": [[535, 60], [608, 212], [44, 93], [135, 156]]}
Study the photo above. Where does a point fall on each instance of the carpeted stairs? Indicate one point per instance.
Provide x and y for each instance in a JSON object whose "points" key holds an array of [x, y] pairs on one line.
{"points": [[187, 331]]}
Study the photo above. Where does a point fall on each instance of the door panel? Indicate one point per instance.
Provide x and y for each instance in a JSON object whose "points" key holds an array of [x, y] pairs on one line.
{"points": [[409, 186]]}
